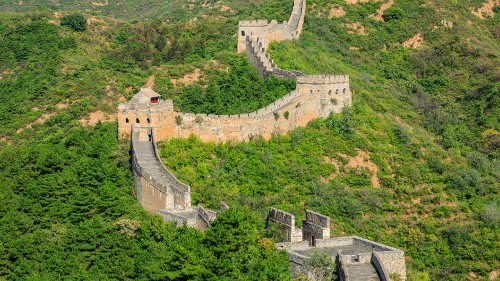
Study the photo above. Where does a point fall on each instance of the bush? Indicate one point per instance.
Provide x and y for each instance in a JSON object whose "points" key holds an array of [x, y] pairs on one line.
{"points": [[491, 214], [76, 21], [392, 14]]}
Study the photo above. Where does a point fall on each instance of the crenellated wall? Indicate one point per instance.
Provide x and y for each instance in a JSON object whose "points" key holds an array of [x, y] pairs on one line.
{"points": [[272, 31], [316, 226], [314, 97], [286, 221], [146, 118], [255, 36], [351, 253]]}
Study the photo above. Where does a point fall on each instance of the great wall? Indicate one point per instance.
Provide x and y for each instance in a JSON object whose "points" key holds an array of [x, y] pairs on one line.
{"points": [[146, 118]]}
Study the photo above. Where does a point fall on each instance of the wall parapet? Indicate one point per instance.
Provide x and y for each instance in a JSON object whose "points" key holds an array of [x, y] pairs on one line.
{"points": [[379, 267], [322, 79], [355, 257], [341, 263], [173, 181], [383, 249], [208, 216], [253, 23]]}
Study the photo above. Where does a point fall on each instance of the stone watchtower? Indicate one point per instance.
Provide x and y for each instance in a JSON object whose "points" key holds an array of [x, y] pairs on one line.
{"points": [[148, 110]]}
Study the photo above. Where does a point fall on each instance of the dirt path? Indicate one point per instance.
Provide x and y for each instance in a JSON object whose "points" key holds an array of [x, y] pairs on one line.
{"points": [[380, 12]]}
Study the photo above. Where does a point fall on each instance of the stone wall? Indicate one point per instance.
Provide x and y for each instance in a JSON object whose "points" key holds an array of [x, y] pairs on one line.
{"points": [[315, 226], [341, 265], [385, 259], [314, 97], [157, 116], [393, 263], [286, 222], [311, 99], [157, 188], [379, 266], [272, 31], [206, 217], [146, 118], [254, 37], [179, 218]]}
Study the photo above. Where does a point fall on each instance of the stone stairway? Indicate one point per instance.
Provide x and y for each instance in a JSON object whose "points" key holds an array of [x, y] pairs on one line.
{"points": [[362, 272], [266, 64], [149, 162]]}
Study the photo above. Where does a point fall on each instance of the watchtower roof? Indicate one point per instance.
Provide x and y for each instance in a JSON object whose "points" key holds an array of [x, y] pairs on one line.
{"points": [[144, 96]]}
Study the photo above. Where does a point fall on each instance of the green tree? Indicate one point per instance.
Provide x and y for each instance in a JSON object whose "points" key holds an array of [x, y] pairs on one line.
{"points": [[239, 253], [75, 21]]}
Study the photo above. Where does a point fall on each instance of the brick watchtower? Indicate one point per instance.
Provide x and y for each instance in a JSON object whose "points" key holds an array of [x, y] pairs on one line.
{"points": [[147, 109]]}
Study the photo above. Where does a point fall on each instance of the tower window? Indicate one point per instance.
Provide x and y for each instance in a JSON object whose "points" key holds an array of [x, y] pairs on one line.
{"points": [[148, 120], [126, 120], [136, 120], [242, 33]]}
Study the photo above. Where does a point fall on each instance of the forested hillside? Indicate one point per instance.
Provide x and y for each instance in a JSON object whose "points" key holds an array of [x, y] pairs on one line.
{"points": [[413, 164]]}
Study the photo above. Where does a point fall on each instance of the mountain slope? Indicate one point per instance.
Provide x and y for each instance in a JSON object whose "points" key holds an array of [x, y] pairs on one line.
{"points": [[413, 164]]}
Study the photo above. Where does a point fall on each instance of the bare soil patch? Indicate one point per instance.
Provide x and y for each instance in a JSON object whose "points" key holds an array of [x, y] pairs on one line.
{"points": [[225, 8], [93, 20], [336, 164], [336, 11], [41, 120], [414, 42], [190, 78], [486, 9], [100, 4], [150, 83], [352, 2], [62, 105], [447, 24], [46, 116], [97, 116], [5, 72], [356, 27], [362, 160], [380, 12]]}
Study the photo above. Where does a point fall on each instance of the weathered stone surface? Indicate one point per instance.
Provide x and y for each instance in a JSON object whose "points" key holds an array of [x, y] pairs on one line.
{"points": [[314, 97], [357, 258]]}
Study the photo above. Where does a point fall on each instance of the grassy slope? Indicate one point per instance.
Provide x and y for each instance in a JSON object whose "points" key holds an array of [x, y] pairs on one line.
{"points": [[174, 11], [419, 125], [439, 197]]}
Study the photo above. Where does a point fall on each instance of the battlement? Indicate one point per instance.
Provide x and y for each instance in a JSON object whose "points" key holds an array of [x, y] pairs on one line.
{"points": [[253, 23], [146, 118], [357, 258], [273, 31], [323, 79]]}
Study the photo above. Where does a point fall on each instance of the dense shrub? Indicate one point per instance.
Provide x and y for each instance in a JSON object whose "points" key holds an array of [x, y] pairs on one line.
{"points": [[75, 21]]}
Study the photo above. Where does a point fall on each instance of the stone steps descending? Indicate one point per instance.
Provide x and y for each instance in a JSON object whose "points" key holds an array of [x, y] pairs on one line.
{"points": [[148, 161], [362, 272]]}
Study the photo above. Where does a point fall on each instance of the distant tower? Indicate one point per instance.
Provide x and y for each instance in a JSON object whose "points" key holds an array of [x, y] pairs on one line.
{"points": [[147, 109]]}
